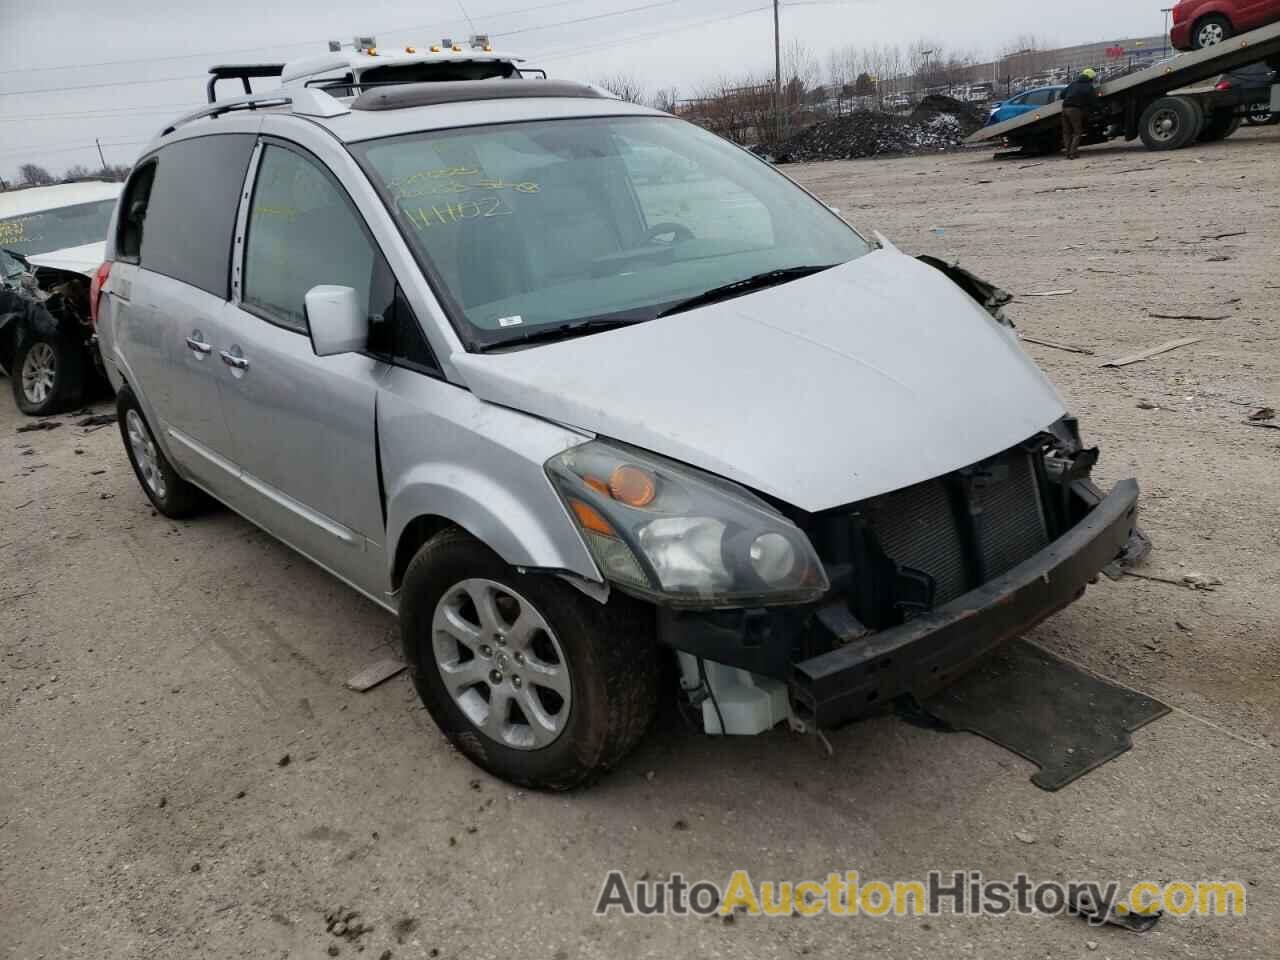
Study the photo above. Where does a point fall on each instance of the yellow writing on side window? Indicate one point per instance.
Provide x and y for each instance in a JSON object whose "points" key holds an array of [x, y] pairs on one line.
{"points": [[447, 214]]}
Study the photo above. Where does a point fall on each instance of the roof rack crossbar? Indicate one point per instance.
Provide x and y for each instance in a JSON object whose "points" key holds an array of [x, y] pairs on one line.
{"points": [[242, 72]]}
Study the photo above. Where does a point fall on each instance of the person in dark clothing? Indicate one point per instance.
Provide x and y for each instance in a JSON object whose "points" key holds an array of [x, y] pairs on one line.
{"points": [[1078, 101]]}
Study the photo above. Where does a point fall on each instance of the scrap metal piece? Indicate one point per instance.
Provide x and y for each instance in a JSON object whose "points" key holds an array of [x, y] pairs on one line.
{"points": [[1082, 905]]}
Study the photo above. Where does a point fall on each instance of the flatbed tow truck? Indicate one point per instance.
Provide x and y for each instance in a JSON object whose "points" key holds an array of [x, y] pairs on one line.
{"points": [[1161, 105]]}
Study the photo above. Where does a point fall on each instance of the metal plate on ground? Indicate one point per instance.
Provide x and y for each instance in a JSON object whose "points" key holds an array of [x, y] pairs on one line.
{"points": [[1060, 717]]}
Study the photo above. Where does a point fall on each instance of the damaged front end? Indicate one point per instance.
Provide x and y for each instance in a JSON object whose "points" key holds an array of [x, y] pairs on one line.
{"points": [[925, 582], [49, 304]]}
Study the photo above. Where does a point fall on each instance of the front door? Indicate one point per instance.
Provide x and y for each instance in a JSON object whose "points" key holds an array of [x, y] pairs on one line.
{"points": [[304, 426]]}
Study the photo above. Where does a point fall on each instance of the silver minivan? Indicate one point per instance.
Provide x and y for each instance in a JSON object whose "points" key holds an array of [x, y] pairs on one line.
{"points": [[568, 384]]}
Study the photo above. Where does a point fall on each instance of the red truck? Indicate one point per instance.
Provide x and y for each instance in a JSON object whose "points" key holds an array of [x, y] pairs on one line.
{"points": [[1203, 23]]}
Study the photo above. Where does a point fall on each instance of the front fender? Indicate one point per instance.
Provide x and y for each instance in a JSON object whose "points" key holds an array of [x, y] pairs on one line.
{"points": [[513, 524], [448, 455]]}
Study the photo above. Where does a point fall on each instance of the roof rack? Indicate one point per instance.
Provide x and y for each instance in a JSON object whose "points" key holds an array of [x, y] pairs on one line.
{"points": [[400, 96], [305, 102], [243, 72]]}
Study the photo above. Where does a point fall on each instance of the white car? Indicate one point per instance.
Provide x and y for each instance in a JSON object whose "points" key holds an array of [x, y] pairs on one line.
{"points": [[51, 244]]}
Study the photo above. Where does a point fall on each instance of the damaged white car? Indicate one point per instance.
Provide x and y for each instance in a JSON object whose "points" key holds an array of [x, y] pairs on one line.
{"points": [[466, 346], [51, 245]]}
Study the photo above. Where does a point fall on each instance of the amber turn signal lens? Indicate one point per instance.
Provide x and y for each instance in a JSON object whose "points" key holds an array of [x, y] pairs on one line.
{"points": [[590, 519], [598, 485], [632, 486]]}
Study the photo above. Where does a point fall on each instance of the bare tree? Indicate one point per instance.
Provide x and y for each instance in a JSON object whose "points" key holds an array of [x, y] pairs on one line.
{"points": [[667, 100], [624, 85], [114, 172], [78, 172], [34, 175]]}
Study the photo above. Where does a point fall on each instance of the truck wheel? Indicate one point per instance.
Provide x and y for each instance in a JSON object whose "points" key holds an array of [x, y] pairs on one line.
{"points": [[170, 494], [1211, 31], [1219, 126], [1170, 123], [48, 374], [529, 678]]}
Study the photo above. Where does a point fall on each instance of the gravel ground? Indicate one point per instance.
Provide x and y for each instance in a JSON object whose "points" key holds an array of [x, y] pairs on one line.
{"points": [[184, 774]]}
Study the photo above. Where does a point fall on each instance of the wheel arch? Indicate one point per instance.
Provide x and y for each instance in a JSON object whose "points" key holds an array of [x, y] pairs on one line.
{"points": [[437, 497]]}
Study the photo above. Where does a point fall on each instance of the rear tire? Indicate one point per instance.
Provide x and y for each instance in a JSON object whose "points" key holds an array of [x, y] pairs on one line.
{"points": [[1260, 115], [48, 374], [1218, 127], [171, 495], [1170, 123], [1211, 31], [551, 705]]}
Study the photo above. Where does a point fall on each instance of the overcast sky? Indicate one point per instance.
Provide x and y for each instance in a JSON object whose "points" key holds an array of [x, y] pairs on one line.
{"points": [[53, 104]]}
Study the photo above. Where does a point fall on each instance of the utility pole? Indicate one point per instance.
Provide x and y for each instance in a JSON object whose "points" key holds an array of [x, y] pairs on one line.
{"points": [[1166, 11], [101, 158], [777, 70]]}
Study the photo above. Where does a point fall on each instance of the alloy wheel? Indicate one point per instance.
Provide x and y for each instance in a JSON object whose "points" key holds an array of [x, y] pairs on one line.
{"points": [[502, 664], [39, 371], [145, 453], [1211, 34]]}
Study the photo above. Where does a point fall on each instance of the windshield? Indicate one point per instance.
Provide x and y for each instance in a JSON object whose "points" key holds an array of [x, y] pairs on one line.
{"points": [[545, 224], [57, 229]]}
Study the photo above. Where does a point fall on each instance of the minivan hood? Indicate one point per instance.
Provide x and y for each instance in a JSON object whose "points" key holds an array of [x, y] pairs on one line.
{"points": [[821, 392]]}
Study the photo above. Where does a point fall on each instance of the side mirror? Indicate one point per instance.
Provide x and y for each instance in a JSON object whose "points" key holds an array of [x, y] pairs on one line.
{"points": [[337, 322]]}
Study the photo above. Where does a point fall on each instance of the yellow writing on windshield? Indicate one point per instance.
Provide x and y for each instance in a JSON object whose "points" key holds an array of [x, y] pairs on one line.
{"points": [[429, 189], [286, 213], [13, 231], [446, 214]]}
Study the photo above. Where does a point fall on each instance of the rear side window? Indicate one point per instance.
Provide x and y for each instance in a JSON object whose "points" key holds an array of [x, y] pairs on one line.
{"points": [[133, 212], [302, 232], [190, 216]]}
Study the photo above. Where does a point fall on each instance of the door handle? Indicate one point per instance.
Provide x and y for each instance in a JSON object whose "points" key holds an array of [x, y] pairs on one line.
{"points": [[198, 345], [231, 360]]}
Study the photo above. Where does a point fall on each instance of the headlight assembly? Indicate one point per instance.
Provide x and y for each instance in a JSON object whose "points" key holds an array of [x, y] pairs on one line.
{"points": [[681, 536]]}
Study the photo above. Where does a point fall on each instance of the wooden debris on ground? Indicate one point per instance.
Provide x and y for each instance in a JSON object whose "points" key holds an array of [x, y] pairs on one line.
{"points": [[376, 673], [1152, 352], [1057, 346]]}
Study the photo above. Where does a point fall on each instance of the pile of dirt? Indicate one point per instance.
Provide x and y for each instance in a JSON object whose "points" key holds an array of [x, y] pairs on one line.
{"points": [[939, 123], [969, 117]]}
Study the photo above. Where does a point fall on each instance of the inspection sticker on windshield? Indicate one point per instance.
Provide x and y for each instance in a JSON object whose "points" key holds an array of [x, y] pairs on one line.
{"points": [[510, 321]]}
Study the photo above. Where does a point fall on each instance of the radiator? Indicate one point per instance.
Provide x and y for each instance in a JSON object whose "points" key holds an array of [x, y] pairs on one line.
{"points": [[965, 528]]}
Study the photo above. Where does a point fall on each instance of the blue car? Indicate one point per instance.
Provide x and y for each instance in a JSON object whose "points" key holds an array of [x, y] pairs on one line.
{"points": [[1025, 103]]}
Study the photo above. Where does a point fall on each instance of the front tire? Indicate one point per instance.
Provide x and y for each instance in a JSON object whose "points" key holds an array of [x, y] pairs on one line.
{"points": [[529, 678], [1170, 123], [171, 495], [48, 374], [1211, 31]]}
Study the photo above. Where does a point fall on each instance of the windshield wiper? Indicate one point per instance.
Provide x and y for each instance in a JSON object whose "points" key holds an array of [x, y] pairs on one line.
{"points": [[564, 331], [760, 281]]}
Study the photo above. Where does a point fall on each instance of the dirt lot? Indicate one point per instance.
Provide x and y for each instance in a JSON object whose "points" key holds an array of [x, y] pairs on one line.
{"points": [[185, 775]]}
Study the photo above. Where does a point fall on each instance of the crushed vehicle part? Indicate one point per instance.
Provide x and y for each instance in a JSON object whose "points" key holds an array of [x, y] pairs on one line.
{"points": [[991, 297]]}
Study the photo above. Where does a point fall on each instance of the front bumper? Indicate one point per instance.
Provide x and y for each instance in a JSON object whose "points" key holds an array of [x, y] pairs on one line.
{"points": [[924, 654], [1180, 35]]}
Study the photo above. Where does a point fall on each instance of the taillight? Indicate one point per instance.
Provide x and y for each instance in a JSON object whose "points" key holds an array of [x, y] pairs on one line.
{"points": [[1222, 85], [95, 289]]}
